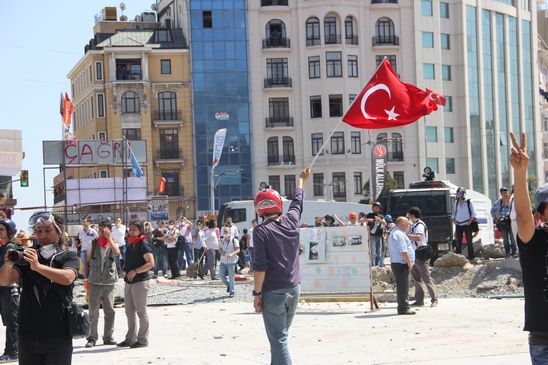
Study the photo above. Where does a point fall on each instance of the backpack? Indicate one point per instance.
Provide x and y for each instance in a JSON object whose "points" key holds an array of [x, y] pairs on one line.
{"points": [[423, 253]]}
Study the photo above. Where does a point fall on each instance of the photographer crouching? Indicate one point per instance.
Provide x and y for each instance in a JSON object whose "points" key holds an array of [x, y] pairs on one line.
{"points": [[46, 273]]}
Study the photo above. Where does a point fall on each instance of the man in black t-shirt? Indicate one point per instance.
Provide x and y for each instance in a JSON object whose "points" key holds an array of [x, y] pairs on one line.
{"points": [[533, 253], [47, 274], [376, 223]]}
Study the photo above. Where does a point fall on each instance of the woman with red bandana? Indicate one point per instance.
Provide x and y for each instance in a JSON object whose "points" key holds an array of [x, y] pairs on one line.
{"points": [[102, 275], [139, 260]]}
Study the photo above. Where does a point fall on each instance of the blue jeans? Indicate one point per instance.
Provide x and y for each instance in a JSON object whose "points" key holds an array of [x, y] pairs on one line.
{"points": [[186, 250], [228, 269], [539, 354], [508, 239], [377, 251], [278, 308], [160, 259], [83, 254], [120, 259]]}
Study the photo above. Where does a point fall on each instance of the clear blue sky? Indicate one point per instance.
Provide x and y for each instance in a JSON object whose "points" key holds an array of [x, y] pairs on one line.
{"points": [[40, 42]]}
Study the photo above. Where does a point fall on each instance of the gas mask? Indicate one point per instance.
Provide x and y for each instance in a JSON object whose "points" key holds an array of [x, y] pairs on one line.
{"points": [[48, 251]]}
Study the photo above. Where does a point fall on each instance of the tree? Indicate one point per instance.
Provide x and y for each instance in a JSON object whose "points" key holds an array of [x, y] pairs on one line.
{"points": [[389, 184]]}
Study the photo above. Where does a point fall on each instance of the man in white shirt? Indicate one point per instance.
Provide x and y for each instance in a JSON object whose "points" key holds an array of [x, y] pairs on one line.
{"points": [[185, 247], [211, 246], [233, 229], [230, 248], [421, 269], [118, 236], [86, 236], [463, 216]]}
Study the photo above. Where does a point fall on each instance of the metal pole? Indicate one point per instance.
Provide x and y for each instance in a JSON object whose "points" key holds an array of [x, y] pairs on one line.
{"points": [[44, 181], [324, 144], [212, 190], [65, 183]]}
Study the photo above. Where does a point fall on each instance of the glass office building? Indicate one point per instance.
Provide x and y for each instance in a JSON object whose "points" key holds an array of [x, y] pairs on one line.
{"points": [[221, 99]]}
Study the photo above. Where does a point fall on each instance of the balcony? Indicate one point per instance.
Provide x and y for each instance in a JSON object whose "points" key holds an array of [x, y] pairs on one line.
{"points": [[352, 40], [274, 3], [173, 190], [384, 1], [277, 122], [395, 156], [277, 82], [281, 160], [167, 117], [332, 39], [276, 42], [390, 40], [169, 156], [313, 42]]}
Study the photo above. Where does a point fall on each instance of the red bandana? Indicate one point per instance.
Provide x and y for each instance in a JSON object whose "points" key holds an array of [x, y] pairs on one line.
{"points": [[135, 240], [103, 241]]}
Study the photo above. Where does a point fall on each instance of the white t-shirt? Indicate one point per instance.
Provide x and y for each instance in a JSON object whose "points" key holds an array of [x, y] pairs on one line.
{"points": [[234, 231], [198, 239], [418, 228], [210, 239], [118, 235], [170, 233], [228, 246], [86, 237]]}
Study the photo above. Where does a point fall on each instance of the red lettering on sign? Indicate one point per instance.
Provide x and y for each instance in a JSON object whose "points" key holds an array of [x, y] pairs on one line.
{"points": [[117, 151], [86, 150], [70, 157], [103, 150]]}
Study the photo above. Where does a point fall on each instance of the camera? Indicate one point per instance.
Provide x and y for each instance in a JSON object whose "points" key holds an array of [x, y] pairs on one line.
{"points": [[16, 255]]}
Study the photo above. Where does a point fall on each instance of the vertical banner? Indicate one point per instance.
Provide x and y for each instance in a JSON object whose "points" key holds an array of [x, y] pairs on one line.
{"points": [[218, 143], [378, 167]]}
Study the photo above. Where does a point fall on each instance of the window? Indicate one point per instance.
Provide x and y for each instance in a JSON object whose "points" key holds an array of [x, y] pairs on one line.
{"points": [[339, 185], [102, 136], [358, 184], [446, 72], [316, 106], [207, 19], [99, 70], [337, 143], [395, 147], [391, 59], [448, 104], [288, 150], [169, 144], [432, 162], [330, 30], [273, 151], [427, 40], [166, 67], [317, 142], [384, 30], [352, 66], [162, 35], [445, 43], [351, 98], [167, 105], [431, 134], [275, 33], [274, 182], [349, 28], [428, 71], [130, 102], [100, 105], [449, 165], [278, 109], [398, 178], [317, 180], [334, 64], [545, 155], [314, 67], [335, 106], [103, 174], [444, 10], [290, 184], [132, 133], [276, 70], [312, 32], [448, 135], [426, 8], [356, 142]]}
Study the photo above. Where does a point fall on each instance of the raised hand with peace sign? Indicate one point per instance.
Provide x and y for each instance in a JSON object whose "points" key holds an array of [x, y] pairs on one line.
{"points": [[519, 159]]}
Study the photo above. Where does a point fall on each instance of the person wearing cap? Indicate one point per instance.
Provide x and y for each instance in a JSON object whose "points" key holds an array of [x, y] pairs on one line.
{"points": [[46, 273], [375, 221], [276, 266], [463, 215], [86, 236], [501, 217], [102, 275], [533, 251], [352, 220], [9, 295]]}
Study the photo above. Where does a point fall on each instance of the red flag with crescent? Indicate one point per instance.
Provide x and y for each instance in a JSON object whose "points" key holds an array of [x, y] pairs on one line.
{"points": [[387, 102], [162, 187]]}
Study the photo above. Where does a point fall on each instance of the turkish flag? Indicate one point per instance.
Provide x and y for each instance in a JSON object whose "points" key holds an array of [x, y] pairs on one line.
{"points": [[387, 102], [162, 187]]}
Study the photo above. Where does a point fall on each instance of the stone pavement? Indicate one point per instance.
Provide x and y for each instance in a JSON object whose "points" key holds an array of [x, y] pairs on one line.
{"points": [[459, 331]]}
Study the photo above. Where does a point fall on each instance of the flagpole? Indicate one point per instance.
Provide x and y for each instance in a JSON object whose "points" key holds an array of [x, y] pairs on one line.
{"points": [[324, 144]]}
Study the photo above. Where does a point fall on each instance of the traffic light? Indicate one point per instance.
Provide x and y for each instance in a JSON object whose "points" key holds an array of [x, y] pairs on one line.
{"points": [[24, 179]]}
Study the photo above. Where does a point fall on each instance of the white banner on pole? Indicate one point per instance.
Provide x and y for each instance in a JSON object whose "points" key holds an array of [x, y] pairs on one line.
{"points": [[218, 143]]}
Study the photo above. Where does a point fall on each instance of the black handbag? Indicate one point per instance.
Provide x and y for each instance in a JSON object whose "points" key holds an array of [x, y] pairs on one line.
{"points": [[77, 321], [424, 252], [474, 226]]}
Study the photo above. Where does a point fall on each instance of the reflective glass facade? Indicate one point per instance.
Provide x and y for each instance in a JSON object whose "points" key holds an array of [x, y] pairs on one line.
{"points": [[221, 98], [514, 74], [502, 100], [528, 93]]}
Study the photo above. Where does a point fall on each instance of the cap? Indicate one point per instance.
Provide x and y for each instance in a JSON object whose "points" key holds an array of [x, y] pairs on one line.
{"points": [[352, 215], [377, 204], [388, 218], [504, 188], [541, 196]]}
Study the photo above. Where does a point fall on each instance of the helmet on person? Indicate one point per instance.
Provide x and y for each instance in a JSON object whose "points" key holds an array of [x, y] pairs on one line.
{"points": [[106, 223], [388, 218], [11, 228], [268, 202], [352, 215]]}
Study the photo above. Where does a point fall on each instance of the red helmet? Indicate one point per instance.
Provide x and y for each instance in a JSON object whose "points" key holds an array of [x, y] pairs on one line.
{"points": [[268, 202]]}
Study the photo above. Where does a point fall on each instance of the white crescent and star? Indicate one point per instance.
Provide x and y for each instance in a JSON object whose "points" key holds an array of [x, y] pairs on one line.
{"points": [[392, 115]]}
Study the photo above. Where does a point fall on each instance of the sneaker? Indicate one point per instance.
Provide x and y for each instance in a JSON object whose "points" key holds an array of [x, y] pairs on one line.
{"points": [[124, 344], [137, 345], [201, 277], [154, 276], [434, 303], [8, 358], [109, 341], [417, 304], [406, 312], [90, 343], [231, 295]]}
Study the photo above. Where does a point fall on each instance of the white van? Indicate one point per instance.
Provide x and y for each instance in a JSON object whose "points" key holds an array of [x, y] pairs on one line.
{"points": [[243, 211]]}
